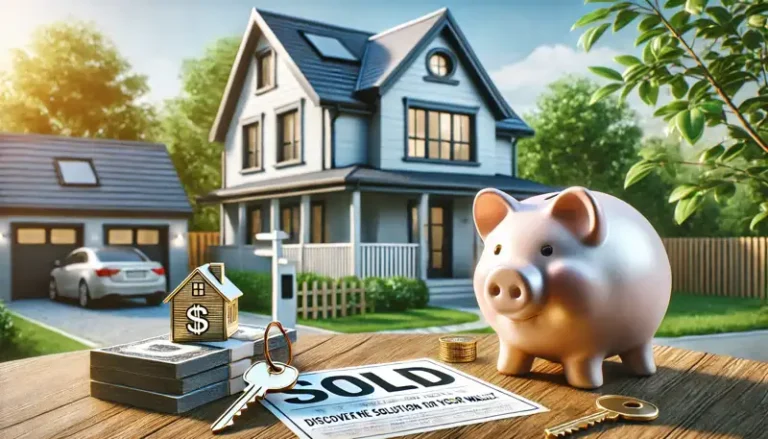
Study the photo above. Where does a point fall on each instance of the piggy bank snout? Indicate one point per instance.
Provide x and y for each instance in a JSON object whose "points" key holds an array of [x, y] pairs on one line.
{"points": [[514, 291]]}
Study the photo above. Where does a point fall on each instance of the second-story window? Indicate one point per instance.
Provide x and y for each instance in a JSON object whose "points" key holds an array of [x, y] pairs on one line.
{"points": [[252, 146], [265, 70], [289, 136], [439, 135]]}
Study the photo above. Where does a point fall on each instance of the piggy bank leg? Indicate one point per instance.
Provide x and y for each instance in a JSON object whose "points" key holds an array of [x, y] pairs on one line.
{"points": [[639, 360], [584, 373], [513, 361]]}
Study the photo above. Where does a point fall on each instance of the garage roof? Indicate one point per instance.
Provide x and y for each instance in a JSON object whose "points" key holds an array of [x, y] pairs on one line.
{"points": [[132, 176]]}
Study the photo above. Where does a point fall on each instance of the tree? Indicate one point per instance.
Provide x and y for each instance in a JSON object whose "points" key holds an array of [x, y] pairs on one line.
{"points": [[703, 56], [187, 121], [72, 81]]}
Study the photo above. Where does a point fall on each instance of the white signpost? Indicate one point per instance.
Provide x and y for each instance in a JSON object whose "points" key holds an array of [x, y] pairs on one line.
{"points": [[283, 279]]}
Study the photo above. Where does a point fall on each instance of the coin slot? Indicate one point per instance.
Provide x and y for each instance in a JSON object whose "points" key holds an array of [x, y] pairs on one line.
{"points": [[632, 405]]}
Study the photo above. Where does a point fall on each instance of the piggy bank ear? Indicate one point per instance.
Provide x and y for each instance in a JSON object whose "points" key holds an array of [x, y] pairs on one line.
{"points": [[577, 209], [490, 208]]}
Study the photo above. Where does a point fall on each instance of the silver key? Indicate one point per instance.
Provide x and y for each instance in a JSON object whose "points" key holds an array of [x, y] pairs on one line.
{"points": [[260, 380]]}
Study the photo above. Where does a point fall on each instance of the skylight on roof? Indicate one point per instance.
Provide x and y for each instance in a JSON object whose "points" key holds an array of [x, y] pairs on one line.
{"points": [[76, 172], [330, 47]]}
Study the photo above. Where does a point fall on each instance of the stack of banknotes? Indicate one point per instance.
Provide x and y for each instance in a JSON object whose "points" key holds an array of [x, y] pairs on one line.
{"points": [[163, 376]]}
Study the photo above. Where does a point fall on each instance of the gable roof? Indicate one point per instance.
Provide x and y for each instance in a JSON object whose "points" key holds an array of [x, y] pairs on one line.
{"points": [[226, 289], [382, 59], [135, 177]]}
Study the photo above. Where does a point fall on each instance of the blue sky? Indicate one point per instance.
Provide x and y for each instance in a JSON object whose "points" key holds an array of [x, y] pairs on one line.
{"points": [[524, 44]]}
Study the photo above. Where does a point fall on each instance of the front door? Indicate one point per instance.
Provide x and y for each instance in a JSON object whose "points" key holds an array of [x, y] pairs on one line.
{"points": [[440, 238]]}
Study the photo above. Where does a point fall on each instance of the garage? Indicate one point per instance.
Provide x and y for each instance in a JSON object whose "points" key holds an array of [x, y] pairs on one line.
{"points": [[152, 240], [34, 249]]}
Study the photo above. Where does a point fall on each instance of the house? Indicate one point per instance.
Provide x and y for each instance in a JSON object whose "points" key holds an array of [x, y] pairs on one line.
{"points": [[61, 193], [366, 148], [204, 306]]}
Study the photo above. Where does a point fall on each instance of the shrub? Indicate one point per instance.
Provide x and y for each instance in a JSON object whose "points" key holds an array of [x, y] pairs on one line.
{"points": [[8, 332], [256, 288], [396, 293]]}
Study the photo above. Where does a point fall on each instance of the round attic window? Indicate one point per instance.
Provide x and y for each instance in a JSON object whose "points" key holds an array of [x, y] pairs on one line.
{"points": [[440, 64]]}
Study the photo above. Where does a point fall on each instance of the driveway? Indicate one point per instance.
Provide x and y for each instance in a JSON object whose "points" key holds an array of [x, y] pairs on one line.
{"points": [[113, 322]]}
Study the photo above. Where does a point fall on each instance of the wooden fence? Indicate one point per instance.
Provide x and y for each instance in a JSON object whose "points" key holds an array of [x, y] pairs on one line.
{"points": [[335, 300], [198, 247], [735, 267]]}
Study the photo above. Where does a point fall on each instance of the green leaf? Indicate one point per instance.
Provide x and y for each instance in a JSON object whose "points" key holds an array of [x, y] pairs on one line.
{"points": [[712, 107], [738, 132], [690, 124], [604, 91], [648, 55], [686, 207], [682, 191], [591, 17], [757, 170], [649, 92], [674, 3], [679, 87], [673, 107], [606, 72], [645, 36], [754, 104], [756, 20], [695, 7], [648, 23], [732, 152], [723, 191], [591, 36], [720, 14], [752, 39], [764, 207], [681, 18], [635, 72], [623, 18], [757, 219], [627, 60], [626, 91], [711, 153], [637, 172], [758, 8], [698, 90]]}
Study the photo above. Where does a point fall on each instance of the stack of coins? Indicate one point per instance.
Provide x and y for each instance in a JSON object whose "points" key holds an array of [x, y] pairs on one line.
{"points": [[458, 349]]}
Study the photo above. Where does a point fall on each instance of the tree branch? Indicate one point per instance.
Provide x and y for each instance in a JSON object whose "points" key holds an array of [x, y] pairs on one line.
{"points": [[747, 126], [718, 165]]}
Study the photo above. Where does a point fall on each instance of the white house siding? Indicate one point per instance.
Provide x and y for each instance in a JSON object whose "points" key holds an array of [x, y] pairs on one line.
{"points": [[503, 156], [93, 235], [250, 105], [412, 85], [351, 132]]}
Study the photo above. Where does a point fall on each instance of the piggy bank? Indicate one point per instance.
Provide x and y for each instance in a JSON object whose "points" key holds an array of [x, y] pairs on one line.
{"points": [[571, 277]]}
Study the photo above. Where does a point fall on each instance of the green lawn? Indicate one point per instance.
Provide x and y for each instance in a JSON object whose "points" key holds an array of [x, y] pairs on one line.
{"points": [[690, 314], [411, 319], [35, 340]]}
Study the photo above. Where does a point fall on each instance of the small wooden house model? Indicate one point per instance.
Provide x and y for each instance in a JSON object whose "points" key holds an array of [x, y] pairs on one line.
{"points": [[204, 306]]}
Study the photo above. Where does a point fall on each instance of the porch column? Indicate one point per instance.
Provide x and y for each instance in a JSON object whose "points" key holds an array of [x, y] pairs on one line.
{"points": [[304, 237], [354, 232], [423, 236], [274, 214], [242, 223]]}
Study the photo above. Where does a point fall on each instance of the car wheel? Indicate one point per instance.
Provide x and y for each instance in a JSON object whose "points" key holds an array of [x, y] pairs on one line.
{"points": [[53, 291], [155, 299], [84, 295]]}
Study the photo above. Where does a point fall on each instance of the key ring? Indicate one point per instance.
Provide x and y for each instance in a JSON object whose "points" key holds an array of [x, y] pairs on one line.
{"points": [[267, 357]]}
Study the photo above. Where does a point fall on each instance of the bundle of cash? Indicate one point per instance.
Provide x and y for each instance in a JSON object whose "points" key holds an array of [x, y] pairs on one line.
{"points": [[168, 377]]}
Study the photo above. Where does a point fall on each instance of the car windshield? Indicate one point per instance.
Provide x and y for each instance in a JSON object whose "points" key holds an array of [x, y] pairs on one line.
{"points": [[119, 255]]}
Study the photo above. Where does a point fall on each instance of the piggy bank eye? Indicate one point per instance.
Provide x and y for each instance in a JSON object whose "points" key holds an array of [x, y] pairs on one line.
{"points": [[546, 250], [497, 249]]}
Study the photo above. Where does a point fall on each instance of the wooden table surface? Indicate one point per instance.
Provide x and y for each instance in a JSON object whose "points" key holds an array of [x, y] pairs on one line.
{"points": [[700, 395]]}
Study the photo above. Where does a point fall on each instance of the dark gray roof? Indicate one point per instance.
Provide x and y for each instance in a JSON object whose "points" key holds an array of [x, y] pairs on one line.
{"points": [[364, 177], [133, 176], [332, 79]]}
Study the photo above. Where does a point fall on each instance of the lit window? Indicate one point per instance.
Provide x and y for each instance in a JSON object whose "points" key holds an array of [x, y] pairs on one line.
{"points": [[76, 172], [289, 220], [198, 288], [30, 236], [330, 47], [289, 130], [440, 64], [147, 237], [317, 222], [439, 135], [63, 236], [265, 70], [252, 146], [120, 237], [256, 224]]}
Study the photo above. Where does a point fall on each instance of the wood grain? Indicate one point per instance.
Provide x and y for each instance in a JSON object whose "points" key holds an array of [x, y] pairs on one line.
{"points": [[700, 395]]}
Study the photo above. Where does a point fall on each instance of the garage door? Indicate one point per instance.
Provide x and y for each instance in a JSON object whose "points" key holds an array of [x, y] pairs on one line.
{"points": [[34, 249], [152, 240]]}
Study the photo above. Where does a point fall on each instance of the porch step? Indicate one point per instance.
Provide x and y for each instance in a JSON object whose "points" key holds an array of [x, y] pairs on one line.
{"points": [[450, 287]]}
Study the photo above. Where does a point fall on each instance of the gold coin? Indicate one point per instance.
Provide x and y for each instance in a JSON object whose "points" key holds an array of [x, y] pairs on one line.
{"points": [[458, 349]]}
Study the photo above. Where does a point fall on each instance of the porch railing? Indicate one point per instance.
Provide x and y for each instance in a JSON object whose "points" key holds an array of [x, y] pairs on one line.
{"points": [[334, 260], [385, 260]]}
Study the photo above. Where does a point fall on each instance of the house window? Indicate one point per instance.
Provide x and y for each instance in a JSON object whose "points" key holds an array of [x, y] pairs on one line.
{"points": [[256, 225], [440, 64], [198, 289], [413, 222], [289, 220], [252, 146], [75, 172], [63, 236], [317, 223], [120, 237], [147, 237], [289, 136], [265, 74], [439, 135]]}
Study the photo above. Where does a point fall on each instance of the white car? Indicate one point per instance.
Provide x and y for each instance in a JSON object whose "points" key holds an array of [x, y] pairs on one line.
{"points": [[93, 273]]}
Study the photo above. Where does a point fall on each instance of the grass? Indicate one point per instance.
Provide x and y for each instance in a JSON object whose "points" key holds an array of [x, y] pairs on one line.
{"points": [[390, 321], [690, 314], [34, 340]]}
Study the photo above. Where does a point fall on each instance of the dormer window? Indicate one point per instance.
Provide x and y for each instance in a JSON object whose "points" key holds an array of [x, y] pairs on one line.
{"points": [[265, 70], [75, 172], [441, 65]]}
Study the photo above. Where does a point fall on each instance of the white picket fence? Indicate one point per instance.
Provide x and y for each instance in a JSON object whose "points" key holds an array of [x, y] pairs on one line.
{"points": [[335, 260], [386, 260]]}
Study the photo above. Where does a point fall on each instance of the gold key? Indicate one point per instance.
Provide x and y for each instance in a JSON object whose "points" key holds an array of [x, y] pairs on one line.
{"points": [[612, 408]]}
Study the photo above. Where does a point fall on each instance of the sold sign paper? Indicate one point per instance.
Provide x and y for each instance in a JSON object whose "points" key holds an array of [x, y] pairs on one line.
{"points": [[391, 399]]}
